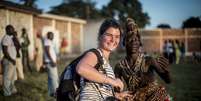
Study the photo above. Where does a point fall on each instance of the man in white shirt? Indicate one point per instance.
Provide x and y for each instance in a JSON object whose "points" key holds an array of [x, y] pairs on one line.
{"points": [[50, 63], [9, 61]]}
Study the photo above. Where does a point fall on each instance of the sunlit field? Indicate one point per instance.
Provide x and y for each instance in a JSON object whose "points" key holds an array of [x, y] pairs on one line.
{"points": [[185, 86]]}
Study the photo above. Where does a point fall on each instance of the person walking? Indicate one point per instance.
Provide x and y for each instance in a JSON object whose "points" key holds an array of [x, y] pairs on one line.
{"points": [[38, 58]]}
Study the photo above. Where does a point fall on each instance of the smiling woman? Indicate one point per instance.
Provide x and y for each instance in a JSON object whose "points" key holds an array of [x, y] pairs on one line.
{"points": [[97, 85], [110, 38]]}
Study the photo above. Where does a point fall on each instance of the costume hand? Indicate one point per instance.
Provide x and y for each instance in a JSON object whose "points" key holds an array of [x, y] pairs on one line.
{"points": [[123, 95], [162, 62]]}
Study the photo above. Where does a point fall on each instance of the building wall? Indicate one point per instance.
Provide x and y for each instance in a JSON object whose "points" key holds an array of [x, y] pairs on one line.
{"points": [[68, 28], [62, 26], [91, 34], [193, 40], [75, 31], [153, 40], [3, 22], [39, 23], [150, 40]]}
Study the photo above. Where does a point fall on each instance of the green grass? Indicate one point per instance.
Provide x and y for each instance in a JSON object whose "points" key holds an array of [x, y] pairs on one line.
{"points": [[185, 86], [186, 80], [33, 87]]}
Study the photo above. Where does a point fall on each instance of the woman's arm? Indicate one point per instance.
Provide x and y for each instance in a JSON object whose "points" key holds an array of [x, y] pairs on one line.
{"points": [[86, 68]]}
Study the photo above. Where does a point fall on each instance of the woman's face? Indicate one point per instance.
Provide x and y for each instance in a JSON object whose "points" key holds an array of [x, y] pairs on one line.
{"points": [[133, 44], [110, 39]]}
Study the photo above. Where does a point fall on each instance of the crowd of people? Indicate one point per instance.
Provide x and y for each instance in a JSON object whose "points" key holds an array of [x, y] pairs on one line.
{"points": [[15, 60], [132, 79], [174, 51]]}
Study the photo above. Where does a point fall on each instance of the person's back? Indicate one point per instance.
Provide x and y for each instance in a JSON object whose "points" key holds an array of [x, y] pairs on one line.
{"points": [[183, 51], [64, 45], [38, 52], [165, 49], [170, 51]]}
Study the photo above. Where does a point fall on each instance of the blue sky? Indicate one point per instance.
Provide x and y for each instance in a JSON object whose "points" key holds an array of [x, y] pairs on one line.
{"points": [[172, 12]]}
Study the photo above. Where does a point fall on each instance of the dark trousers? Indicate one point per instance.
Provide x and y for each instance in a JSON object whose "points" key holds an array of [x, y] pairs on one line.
{"points": [[25, 61]]}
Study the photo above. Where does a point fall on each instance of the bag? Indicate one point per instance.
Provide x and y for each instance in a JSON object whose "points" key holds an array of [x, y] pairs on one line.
{"points": [[69, 85]]}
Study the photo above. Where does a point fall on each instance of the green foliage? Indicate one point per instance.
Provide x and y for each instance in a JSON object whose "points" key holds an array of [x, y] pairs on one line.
{"points": [[164, 26], [192, 22], [29, 3], [121, 9], [77, 8]]}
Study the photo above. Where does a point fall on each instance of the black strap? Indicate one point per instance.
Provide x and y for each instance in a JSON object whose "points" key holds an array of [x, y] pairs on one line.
{"points": [[96, 87], [99, 57], [98, 65]]}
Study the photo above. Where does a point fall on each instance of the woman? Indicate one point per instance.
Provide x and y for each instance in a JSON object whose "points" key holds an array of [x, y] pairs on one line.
{"points": [[137, 70], [100, 83]]}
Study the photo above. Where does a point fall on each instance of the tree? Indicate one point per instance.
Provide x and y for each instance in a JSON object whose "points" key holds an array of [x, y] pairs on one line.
{"points": [[120, 9], [164, 26], [192, 22], [29, 3], [84, 9]]}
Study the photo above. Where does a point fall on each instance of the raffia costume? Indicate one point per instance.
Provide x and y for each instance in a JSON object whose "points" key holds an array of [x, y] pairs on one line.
{"points": [[139, 78]]}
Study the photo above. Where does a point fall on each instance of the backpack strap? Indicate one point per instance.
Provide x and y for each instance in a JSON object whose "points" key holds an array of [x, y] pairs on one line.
{"points": [[99, 57], [95, 51]]}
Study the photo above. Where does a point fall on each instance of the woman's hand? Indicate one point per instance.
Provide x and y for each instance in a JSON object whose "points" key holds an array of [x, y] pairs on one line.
{"points": [[117, 83]]}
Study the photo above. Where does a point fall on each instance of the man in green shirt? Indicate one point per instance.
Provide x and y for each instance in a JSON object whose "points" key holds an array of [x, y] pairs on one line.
{"points": [[25, 42]]}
